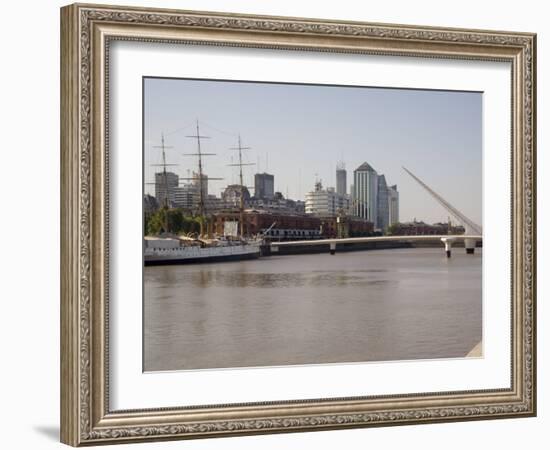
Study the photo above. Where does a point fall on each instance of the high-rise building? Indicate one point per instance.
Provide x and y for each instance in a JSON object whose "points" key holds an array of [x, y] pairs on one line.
{"points": [[164, 181], [204, 184], [373, 199], [264, 186], [341, 179], [393, 204], [365, 193], [383, 211]]}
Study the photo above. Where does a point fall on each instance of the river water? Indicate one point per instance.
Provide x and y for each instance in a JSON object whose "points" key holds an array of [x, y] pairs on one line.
{"points": [[376, 305]]}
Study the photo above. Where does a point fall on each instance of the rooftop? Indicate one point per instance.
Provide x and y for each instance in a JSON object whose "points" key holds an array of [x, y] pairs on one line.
{"points": [[365, 167]]}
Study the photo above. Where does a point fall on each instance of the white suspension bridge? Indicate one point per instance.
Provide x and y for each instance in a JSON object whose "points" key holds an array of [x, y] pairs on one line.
{"points": [[472, 231]]}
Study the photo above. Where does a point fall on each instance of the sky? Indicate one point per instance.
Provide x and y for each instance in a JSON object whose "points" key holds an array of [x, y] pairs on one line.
{"points": [[300, 132]]}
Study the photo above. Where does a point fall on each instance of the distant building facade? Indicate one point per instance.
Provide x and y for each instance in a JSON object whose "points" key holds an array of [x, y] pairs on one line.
{"points": [[419, 228], [186, 196], [344, 227], [278, 205], [150, 204], [280, 226], [264, 186], [373, 199], [232, 195], [341, 179], [383, 207], [365, 193], [393, 203], [165, 183], [326, 202], [204, 185], [213, 204]]}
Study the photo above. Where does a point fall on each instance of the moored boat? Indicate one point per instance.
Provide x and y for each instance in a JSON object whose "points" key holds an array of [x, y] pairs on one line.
{"points": [[171, 249], [174, 250]]}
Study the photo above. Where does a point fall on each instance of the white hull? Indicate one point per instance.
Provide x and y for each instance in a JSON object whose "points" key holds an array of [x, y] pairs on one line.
{"points": [[193, 254]]}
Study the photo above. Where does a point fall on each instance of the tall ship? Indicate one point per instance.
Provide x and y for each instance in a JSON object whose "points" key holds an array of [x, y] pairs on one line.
{"points": [[176, 250], [169, 248]]}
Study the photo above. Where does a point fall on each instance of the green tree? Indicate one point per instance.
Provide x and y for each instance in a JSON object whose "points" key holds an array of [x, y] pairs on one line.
{"points": [[155, 223], [172, 221]]}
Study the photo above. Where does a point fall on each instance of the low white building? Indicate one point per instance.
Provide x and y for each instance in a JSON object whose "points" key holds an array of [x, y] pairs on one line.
{"points": [[326, 202], [186, 196]]}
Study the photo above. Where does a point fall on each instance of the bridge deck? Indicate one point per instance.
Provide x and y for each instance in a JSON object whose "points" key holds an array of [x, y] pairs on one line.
{"points": [[377, 239]]}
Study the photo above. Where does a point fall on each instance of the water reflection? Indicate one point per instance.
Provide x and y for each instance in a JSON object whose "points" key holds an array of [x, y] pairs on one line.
{"points": [[360, 306]]}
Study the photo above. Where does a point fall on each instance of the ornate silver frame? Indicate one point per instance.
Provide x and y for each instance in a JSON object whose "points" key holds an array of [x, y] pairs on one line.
{"points": [[86, 31]]}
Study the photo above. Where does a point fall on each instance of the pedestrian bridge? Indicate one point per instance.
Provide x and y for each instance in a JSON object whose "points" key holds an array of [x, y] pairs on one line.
{"points": [[445, 239]]}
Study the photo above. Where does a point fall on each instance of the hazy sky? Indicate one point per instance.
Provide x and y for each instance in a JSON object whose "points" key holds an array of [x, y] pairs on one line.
{"points": [[300, 132]]}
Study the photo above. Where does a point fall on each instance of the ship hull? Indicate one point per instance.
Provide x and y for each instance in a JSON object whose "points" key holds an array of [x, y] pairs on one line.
{"points": [[172, 254]]}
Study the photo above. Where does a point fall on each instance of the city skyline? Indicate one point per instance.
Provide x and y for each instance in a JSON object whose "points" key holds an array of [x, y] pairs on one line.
{"points": [[287, 139]]}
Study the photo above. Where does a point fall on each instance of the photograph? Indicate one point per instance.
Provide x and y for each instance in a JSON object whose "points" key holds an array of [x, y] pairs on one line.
{"points": [[301, 224]]}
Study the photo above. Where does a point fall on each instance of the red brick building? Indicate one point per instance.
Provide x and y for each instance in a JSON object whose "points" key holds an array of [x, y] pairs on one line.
{"points": [[344, 227], [423, 229], [282, 226]]}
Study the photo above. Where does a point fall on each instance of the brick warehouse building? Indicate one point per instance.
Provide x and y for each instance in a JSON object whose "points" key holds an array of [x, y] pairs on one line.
{"points": [[344, 227], [285, 226], [420, 228], [294, 227]]}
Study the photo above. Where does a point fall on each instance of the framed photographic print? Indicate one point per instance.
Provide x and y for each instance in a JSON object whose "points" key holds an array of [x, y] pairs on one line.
{"points": [[276, 224]]}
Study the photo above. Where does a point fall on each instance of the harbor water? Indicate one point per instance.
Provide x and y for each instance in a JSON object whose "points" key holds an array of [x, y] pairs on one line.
{"points": [[379, 305]]}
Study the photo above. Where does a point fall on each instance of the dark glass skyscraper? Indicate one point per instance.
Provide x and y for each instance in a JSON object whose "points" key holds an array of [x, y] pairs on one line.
{"points": [[264, 186]]}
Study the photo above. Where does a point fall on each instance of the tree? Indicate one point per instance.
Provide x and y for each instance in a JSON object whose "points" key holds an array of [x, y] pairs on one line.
{"points": [[171, 220]]}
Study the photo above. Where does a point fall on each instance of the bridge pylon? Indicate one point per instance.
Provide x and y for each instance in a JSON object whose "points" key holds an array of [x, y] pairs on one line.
{"points": [[470, 227]]}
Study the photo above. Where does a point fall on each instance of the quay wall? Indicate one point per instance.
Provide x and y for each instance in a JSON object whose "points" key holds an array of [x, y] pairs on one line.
{"points": [[324, 248], [359, 246]]}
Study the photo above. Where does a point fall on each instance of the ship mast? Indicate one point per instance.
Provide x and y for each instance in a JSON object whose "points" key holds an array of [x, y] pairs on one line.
{"points": [[240, 164], [164, 170], [166, 205], [200, 154]]}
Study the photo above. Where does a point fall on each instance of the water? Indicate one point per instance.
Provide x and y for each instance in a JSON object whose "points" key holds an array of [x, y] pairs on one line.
{"points": [[309, 309]]}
